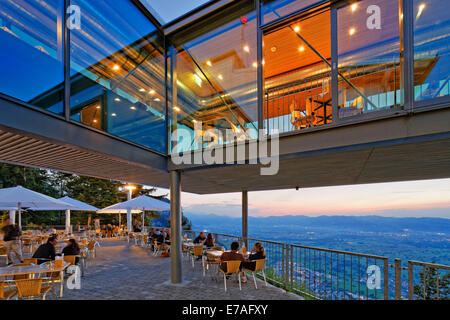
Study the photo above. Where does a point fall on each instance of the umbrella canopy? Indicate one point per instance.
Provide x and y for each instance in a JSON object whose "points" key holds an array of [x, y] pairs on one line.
{"points": [[16, 197], [76, 206], [137, 205]]}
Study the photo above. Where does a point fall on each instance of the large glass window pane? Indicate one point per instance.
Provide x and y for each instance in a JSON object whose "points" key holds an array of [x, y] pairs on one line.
{"points": [[431, 49], [297, 74], [117, 73], [274, 9], [216, 76], [31, 55], [369, 57]]}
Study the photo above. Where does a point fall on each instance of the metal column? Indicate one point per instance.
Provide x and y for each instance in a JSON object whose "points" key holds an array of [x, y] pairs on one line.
{"points": [[245, 216], [129, 215], [175, 225]]}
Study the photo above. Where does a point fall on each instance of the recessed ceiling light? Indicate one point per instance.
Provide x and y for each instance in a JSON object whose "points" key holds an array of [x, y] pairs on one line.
{"points": [[301, 48], [98, 107], [263, 62], [194, 121], [246, 48], [133, 108], [176, 109], [116, 67], [142, 90], [209, 63], [255, 65], [152, 91], [95, 121], [354, 7], [220, 77], [117, 99], [113, 114], [157, 99], [273, 49], [422, 7], [352, 31], [296, 28]]}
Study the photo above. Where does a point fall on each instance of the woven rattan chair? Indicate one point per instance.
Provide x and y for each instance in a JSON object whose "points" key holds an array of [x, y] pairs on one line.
{"points": [[30, 260], [259, 268], [6, 292], [210, 261], [197, 251], [70, 259], [232, 268], [91, 247], [31, 288], [3, 253], [27, 243]]}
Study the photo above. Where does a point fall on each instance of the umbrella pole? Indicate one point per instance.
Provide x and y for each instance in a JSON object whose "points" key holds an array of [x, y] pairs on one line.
{"points": [[12, 216], [67, 221], [19, 209], [143, 219]]}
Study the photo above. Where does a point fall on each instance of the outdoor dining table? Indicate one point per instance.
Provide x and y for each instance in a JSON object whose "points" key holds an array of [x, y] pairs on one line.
{"points": [[35, 269]]}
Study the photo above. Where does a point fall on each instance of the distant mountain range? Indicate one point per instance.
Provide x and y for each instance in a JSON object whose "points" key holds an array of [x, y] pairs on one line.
{"points": [[335, 223], [422, 239]]}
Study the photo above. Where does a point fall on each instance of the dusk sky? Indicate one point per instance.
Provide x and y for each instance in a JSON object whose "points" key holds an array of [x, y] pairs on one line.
{"points": [[426, 198]]}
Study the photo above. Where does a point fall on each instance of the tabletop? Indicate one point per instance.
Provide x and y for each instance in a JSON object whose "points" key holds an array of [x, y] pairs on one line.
{"points": [[20, 270]]}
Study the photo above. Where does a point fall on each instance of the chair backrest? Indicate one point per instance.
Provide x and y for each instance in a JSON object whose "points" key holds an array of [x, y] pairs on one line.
{"points": [[30, 260], [2, 290], [91, 245], [260, 264], [70, 259], [28, 287], [198, 251], [233, 266]]}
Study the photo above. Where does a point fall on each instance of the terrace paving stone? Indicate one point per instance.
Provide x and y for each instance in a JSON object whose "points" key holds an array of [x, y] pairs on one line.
{"points": [[122, 271]]}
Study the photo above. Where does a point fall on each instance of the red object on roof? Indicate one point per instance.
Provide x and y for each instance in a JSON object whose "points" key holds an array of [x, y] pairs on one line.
{"points": [[244, 19]]}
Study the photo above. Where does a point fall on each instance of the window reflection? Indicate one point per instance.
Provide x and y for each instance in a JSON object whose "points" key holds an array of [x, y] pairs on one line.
{"points": [[431, 49], [31, 55], [369, 57], [117, 73], [216, 79], [274, 9], [297, 74]]}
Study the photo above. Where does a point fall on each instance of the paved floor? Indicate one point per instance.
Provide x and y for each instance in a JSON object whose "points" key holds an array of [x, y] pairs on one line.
{"points": [[121, 271]]}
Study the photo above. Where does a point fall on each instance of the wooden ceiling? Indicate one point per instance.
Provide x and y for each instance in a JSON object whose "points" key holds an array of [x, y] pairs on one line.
{"points": [[281, 48]]}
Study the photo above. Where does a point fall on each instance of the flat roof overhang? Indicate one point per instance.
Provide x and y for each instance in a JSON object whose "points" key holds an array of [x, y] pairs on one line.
{"points": [[400, 147], [39, 139], [403, 147]]}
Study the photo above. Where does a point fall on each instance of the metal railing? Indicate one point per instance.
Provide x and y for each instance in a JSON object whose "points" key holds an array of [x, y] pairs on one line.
{"points": [[338, 275], [327, 274], [433, 285]]}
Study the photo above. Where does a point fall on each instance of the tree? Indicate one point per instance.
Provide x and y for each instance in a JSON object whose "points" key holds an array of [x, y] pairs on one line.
{"points": [[428, 286]]}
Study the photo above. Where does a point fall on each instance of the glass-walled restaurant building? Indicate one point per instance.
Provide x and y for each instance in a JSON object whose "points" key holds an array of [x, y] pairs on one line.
{"points": [[134, 70]]}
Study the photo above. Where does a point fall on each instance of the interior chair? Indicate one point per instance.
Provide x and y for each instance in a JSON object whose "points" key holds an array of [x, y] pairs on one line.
{"points": [[210, 261], [259, 268], [232, 268]]}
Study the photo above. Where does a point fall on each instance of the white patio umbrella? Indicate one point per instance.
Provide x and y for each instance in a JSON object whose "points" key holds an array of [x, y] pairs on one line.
{"points": [[20, 197], [76, 206], [137, 205]]}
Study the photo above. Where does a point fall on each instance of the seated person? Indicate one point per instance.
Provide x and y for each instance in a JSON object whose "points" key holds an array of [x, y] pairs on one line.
{"points": [[200, 238], [46, 251], [72, 249], [233, 255], [209, 242], [258, 253], [52, 230]]}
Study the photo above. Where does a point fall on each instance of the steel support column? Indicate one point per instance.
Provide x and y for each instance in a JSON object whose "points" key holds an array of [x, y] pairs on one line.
{"points": [[175, 226], [245, 216]]}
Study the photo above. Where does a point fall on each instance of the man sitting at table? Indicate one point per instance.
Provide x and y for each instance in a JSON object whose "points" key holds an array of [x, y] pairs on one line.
{"points": [[200, 238], [46, 251], [233, 255]]}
